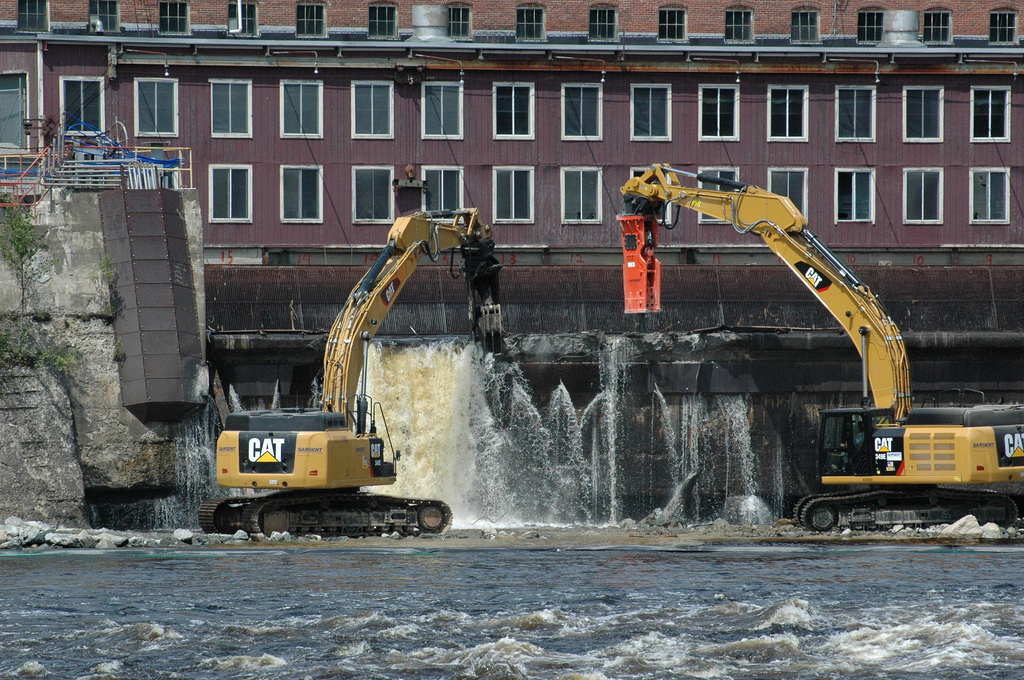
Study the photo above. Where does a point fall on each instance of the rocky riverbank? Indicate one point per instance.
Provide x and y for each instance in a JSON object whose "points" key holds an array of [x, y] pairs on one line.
{"points": [[18, 534]]}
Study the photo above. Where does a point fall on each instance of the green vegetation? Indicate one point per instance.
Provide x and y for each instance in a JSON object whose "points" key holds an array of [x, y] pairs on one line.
{"points": [[22, 341]]}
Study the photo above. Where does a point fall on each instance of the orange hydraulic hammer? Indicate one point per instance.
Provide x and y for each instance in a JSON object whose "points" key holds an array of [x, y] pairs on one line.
{"points": [[641, 271]]}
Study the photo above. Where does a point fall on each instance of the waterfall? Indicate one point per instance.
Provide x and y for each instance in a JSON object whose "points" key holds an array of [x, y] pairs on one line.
{"points": [[195, 471], [471, 433]]}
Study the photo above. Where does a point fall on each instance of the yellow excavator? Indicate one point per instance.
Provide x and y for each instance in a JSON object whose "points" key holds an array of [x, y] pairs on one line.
{"points": [[317, 460], [902, 465]]}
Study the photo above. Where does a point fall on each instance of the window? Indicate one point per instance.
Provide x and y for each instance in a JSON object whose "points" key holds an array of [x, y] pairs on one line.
{"points": [[372, 109], [603, 24], [106, 13], [301, 114], [855, 114], [173, 17], [301, 189], [34, 15], [989, 195], [156, 107], [580, 198], [372, 194], [791, 183], [309, 21], [855, 196], [513, 194], [1002, 28], [787, 113], [249, 26], [443, 190], [529, 23], [923, 195], [869, 27], [383, 22], [739, 25], [990, 114], [581, 111], [671, 24], [13, 105], [724, 173], [651, 112], [458, 22], [804, 26], [719, 112], [513, 111], [231, 108], [231, 193], [936, 27], [82, 103], [442, 110], [922, 114]]}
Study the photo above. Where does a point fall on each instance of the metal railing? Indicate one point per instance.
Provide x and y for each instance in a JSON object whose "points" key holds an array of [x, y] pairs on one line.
{"points": [[82, 157]]}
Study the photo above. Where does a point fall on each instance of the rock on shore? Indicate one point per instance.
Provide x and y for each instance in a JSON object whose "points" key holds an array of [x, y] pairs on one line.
{"points": [[19, 534]]}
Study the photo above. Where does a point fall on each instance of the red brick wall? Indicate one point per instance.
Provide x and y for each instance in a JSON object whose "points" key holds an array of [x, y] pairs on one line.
{"points": [[635, 16]]}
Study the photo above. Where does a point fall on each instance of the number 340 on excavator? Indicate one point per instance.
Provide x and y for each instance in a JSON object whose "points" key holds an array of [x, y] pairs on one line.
{"points": [[900, 465]]}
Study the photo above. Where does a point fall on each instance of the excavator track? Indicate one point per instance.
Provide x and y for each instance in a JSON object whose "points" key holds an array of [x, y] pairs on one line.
{"points": [[921, 507], [326, 513]]}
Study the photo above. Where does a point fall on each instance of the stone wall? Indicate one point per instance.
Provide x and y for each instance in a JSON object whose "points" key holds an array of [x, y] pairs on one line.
{"points": [[77, 445]]}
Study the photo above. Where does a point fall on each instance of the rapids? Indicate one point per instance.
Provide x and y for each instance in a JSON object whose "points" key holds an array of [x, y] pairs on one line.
{"points": [[431, 609]]}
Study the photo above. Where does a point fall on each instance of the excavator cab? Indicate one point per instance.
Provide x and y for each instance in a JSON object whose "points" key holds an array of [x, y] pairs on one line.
{"points": [[845, 438]]}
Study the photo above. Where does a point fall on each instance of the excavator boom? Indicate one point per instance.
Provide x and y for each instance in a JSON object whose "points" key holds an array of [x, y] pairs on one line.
{"points": [[410, 238], [784, 229]]}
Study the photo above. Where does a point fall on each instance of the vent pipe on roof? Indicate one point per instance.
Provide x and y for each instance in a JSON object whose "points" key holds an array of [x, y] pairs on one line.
{"points": [[899, 27], [429, 22]]}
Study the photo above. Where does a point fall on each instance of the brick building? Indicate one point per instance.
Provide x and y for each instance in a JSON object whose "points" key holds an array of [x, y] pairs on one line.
{"points": [[313, 125]]}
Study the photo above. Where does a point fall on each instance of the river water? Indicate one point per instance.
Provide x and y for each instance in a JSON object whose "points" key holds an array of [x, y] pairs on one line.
{"points": [[429, 609]]}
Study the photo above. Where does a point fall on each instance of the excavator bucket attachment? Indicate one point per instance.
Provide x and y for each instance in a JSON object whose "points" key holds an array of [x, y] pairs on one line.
{"points": [[641, 271]]}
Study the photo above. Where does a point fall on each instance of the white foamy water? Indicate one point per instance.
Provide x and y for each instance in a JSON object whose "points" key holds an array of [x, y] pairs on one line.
{"points": [[430, 609], [473, 434]]}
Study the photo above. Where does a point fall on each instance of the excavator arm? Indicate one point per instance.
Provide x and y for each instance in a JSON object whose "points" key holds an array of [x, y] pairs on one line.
{"points": [[369, 302], [784, 229]]}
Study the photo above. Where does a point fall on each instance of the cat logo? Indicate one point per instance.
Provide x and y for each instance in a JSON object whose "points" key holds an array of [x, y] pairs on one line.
{"points": [[1013, 445], [391, 291], [266, 450], [816, 279], [883, 444]]}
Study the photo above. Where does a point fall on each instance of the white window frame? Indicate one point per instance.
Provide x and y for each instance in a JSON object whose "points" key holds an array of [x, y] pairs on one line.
{"points": [[443, 168], [100, 80], [139, 132], [598, 194], [600, 113], [319, 134], [716, 170], [803, 207], [494, 194], [532, 111], [391, 203], [22, 76], [938, 196], [942, 121], [871, 196], [1006, 196], [704, 137], [248, 102], [1007, 109], [803, 113], [874, 112], [423, 110], [667, 137], [319, 219], [390, 134], [248, 208]]}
